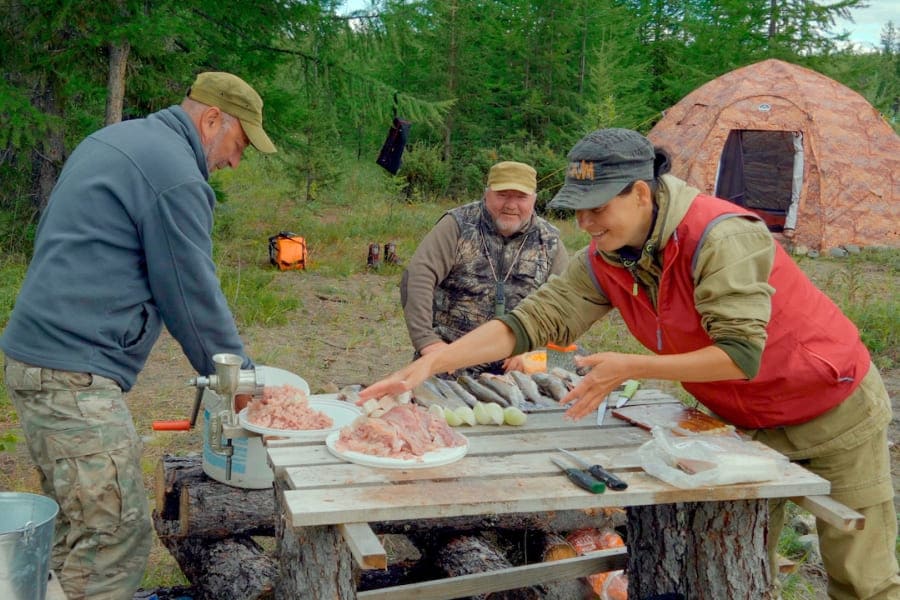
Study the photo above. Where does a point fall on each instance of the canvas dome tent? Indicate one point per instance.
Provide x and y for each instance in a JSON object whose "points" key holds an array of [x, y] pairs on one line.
{"points": [[808, 154]]}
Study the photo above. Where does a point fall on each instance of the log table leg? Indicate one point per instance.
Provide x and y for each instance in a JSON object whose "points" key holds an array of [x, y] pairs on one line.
{"points": [[703, 550], [314, 562]]}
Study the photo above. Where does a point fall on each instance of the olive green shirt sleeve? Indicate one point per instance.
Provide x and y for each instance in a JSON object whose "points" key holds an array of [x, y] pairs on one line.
{"points": [[429, 265], [731, 289], [560, 311], [732, 295]]}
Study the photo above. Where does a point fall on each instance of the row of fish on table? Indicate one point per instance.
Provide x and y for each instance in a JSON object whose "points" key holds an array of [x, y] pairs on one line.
{"points": [[528, 392]]}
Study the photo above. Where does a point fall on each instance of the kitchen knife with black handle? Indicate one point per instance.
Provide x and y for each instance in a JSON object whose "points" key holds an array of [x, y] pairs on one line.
{"points": [[613, 482], [580, 478]]}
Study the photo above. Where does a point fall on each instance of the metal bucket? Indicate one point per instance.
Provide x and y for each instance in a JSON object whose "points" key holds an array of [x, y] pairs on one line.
{"points": [[26, 539]]}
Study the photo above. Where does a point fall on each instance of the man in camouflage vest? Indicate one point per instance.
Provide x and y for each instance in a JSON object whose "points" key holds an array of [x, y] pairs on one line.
{"points": [[479, 261]]}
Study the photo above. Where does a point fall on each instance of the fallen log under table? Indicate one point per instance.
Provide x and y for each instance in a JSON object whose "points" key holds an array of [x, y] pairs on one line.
{"points": [[507, 471]]}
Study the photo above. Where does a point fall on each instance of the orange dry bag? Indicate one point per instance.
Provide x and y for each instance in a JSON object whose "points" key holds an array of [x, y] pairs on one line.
{"points": [[287, 251]]}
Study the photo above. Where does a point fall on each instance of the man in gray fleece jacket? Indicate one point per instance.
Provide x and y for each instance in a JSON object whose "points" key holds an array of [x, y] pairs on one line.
{"points": [[122, 249]]}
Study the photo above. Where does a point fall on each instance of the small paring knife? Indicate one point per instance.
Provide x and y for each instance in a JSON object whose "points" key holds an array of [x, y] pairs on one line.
{"points": [[613, 482], [601, 410], [621, 395], [630, 389], [580, 478]]}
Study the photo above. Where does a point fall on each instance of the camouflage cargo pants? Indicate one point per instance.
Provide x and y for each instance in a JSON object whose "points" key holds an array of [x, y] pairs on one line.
{"points": [[82, 440]]}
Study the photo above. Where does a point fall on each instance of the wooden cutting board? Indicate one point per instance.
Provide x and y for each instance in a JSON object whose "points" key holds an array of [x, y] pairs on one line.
{"points": [[680, 419]]}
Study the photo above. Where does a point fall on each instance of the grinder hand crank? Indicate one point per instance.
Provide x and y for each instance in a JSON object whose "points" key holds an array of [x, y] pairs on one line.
{"points": [[229, 382], [249, 383]]}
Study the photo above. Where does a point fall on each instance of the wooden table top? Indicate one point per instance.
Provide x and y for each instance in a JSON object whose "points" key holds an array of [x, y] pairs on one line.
{"points": [[506, 470]]}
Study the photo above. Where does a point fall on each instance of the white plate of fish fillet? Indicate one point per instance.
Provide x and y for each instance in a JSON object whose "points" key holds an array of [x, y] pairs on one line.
{"points": [[435, 458], [342, 413]]}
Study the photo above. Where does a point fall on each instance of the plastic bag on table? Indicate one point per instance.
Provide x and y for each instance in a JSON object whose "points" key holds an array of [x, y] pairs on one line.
{"points": [[704, 460]]}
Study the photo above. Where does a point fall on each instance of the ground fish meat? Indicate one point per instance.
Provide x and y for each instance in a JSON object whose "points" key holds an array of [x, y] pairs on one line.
{"points": [[406, 431], [286, 407]]}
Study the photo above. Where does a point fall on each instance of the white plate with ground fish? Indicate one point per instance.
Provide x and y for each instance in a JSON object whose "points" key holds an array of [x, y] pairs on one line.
{"points": [[435, 458], [342, 413]]}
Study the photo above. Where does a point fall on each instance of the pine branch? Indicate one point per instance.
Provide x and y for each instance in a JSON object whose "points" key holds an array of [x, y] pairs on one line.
{"points": [[429, 113]]}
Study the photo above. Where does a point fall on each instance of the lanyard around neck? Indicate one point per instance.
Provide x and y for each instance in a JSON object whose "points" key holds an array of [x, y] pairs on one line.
{"points": [[500, 286]]}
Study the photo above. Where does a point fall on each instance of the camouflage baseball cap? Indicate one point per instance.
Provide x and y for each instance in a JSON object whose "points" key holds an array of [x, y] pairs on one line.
{"points": [[601, 165], [234, 96], [509, 175]]}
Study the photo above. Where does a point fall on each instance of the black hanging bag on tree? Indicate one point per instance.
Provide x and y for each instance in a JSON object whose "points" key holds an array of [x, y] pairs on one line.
{"points": [[392, 149]]}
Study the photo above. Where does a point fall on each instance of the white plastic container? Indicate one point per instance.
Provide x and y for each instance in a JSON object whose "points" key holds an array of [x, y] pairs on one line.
{"points": [[249, 465]]}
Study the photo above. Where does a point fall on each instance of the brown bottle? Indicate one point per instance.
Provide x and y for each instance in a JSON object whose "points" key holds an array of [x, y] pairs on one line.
{"points": [[374, 260], [390, 254]]}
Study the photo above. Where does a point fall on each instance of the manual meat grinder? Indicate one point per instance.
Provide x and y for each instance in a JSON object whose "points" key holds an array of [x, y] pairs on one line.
{"points": [[232, 454], [228, 382]]}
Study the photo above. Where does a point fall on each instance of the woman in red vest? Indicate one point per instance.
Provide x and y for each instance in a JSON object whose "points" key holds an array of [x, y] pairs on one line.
{"points": [[702, 284]]}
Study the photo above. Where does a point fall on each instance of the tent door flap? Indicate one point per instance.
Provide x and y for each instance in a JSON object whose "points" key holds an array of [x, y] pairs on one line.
{"points": [[763, 172]]}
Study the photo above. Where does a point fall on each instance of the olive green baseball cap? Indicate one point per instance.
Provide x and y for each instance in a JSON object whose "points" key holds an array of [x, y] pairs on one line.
{"points": [[234, 96], [511, 175], [601, 165]]}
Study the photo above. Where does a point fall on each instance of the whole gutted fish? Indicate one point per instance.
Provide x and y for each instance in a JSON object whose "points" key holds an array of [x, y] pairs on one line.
{"points": [[451, 398], [505, 386], [550, 385], [567, 377], [462, 392], [527, 385], [427, 394], [482, 392]]}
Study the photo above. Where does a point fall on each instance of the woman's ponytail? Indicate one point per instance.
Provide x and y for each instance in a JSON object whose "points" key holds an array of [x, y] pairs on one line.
{"points": [[662, 162]]}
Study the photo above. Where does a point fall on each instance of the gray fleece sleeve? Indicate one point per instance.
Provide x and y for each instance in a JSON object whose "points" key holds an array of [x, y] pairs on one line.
{"points": [[182, 276]]}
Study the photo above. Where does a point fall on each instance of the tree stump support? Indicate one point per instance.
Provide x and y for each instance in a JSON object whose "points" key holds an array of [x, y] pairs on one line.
{"points": [[676, 547], [680, 548], [314, 562]]}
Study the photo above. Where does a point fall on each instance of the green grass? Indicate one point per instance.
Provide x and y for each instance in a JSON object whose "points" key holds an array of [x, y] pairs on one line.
{"points": [[871, 303], [8, 441], [12, 272]]}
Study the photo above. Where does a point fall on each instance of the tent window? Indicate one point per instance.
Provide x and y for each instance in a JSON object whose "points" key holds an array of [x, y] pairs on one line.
{"points": [[756, 171]]}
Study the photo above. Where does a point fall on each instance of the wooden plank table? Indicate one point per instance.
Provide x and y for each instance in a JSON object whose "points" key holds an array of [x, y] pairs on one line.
{"points": [[506, 470]]}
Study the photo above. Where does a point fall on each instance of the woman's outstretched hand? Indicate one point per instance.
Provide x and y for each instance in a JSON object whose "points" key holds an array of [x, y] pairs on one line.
{"points": [[608, 370], [404, 380]]}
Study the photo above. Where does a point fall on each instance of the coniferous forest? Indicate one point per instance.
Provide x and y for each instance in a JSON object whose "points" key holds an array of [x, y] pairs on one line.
{"points": [[477, 79]]}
